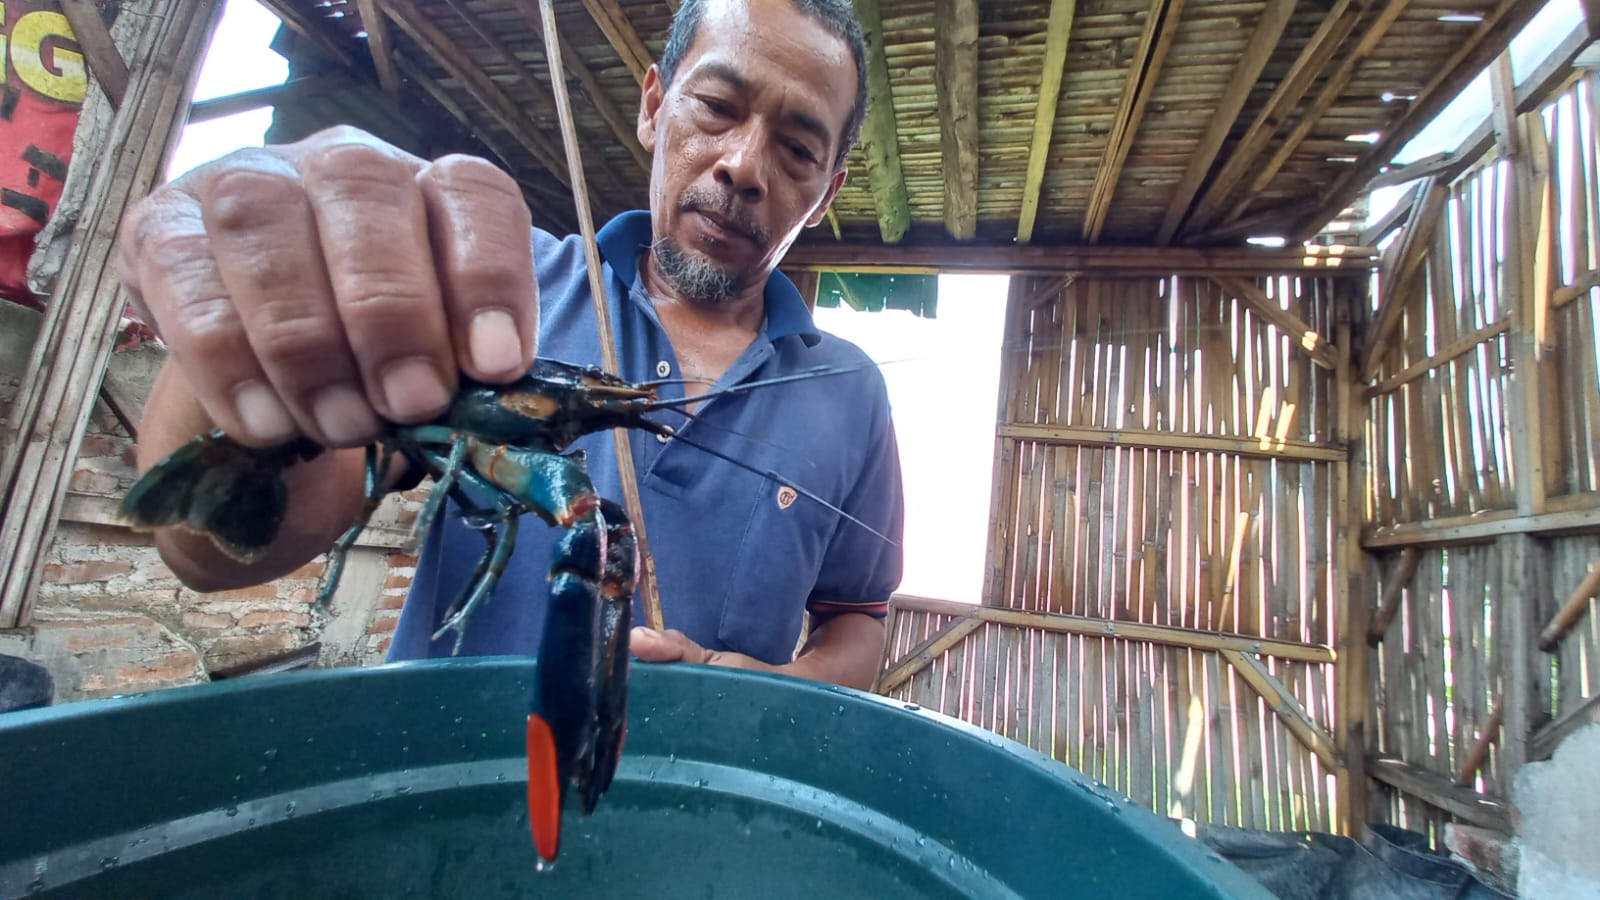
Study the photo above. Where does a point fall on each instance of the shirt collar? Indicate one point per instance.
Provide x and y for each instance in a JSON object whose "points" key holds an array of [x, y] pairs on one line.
{"points": [[626, 236]]}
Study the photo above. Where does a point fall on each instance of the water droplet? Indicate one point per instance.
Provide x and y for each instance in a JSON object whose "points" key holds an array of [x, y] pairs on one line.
{"points": [[672, 757], [544, 865], [311, 740], [701, 782], [458, 720], [107, 862], [36, 885], [913, 707], [271, 754], [288, 810], [251, 823], [922, 840], [231, 811]]}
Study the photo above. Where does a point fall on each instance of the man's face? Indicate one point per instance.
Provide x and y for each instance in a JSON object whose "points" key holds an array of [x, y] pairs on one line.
{"points": [[744, 142]]}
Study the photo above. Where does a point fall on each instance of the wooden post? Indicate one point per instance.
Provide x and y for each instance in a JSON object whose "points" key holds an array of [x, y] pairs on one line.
{"points": [[1526, 579], [1351, 604], [79, 329]]}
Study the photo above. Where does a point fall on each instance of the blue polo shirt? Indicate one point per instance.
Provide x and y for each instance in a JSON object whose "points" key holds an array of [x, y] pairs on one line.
{"points": [[738, 557]]}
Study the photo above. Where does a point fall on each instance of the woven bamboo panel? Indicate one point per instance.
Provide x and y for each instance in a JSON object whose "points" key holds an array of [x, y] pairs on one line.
{"points": [[1092, 522]]}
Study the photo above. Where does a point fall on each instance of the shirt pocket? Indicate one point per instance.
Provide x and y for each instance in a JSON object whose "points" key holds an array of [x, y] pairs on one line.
{"points": [[779, 559]]}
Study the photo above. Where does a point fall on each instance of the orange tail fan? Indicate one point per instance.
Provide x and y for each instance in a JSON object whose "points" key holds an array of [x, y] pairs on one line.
{"points": [[544, 788]]}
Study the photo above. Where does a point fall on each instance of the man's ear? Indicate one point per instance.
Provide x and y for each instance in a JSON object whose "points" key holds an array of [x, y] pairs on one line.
{"points": [[650, 100], [821, 212]]}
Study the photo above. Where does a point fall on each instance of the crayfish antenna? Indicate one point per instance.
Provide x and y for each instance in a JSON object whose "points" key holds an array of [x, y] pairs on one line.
{"points": [[802, 375], [767, 473], [544, 788]]}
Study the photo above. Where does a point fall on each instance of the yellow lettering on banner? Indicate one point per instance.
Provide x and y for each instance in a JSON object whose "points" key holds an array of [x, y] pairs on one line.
{"points": [[69, 80]]}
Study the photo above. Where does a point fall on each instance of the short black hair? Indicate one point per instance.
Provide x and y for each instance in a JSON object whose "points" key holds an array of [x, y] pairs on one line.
{"points": [[838, 16]]}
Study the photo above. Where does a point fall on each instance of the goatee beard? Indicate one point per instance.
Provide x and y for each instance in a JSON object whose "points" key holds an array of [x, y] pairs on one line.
{"points": [[694, 277]]}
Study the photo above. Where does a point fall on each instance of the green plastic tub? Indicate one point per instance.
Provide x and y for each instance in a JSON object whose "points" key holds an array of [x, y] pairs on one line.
{"points": [[409, 781]]}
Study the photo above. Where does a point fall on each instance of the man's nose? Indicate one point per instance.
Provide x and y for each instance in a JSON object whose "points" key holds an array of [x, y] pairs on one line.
{"points": [[742, 167]]}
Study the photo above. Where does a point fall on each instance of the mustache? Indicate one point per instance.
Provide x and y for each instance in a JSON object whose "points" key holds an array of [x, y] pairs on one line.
{"points": [[725, 206]]}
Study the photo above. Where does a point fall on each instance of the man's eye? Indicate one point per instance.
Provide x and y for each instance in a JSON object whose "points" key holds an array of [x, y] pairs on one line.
{"points": [[716, 107], [803, 152]]}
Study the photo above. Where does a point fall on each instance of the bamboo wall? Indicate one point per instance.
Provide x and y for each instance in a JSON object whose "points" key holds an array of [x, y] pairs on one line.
{"points": [[1166, 501], [1484, 440]]}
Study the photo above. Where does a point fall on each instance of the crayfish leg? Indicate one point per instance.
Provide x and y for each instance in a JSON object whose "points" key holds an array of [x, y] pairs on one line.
{"points": [[487, 575], [377, 478]]}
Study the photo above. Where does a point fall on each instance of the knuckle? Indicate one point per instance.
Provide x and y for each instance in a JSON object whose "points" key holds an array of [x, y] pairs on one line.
{"points": [[286, 339], [356, 170], [243, 201], [459, 173]]}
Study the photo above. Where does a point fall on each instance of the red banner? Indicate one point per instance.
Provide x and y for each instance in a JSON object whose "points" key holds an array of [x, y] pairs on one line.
{"points": [[45, 80]]}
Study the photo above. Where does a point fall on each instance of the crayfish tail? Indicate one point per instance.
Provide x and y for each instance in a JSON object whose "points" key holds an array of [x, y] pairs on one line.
{"points": [[544, 788], [215, 486]]}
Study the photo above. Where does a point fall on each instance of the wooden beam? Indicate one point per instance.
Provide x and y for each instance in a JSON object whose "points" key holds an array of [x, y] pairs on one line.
{"points": [[955, 29], [1313, 58], [1470, 58], [1333, 89], [880, 135], [1160, 27], [379, 45], [623, 127], [1068, 259], [1044, 113], [1439, 792], [296, 20], [244, 101], [1547, 739], [923, 655], [1485, 527], [105, 61], [1263, 41], [1124, 631], [1352, 685], [1591, 17], [1254, 448], [1409, 255], [614, 24], [1577, 604], [1422, 168], [1449, 352], [1393, 591], [1285, 706], [1302, 335]]}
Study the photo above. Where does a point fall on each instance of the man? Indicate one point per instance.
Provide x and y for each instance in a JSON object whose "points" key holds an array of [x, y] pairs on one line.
{"points": [[320, 287]]}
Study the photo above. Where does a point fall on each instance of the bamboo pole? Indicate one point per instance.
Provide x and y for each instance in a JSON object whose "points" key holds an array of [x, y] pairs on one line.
{"points": [[648, 589], [1571, 611], [1392, 592], [1125, 631], [1478, 753]]}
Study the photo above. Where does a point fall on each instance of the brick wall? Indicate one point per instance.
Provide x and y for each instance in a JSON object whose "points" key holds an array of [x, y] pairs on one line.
{"points": [[110, 618]]}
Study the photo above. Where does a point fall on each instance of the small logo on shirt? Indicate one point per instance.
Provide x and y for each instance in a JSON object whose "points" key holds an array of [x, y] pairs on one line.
{"points": [[786, 497]]}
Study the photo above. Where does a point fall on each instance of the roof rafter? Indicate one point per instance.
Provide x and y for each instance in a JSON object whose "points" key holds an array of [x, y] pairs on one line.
{"points": [[622, 126], [1160, 26], [880, 136], [380, 46], [1044, 116], [955, 26], [1474, 55], [450, 57], [1256, 54], [1332, 89], [613, 22], [1336, 26]]}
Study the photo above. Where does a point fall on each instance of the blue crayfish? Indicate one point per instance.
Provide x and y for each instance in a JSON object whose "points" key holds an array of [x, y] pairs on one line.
{"points": [[508, 442]]}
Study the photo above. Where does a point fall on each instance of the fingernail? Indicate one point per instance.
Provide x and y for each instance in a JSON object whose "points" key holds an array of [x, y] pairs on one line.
{"points": [[413, 390], [263, 414], [344, 417], [496, 348]]}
